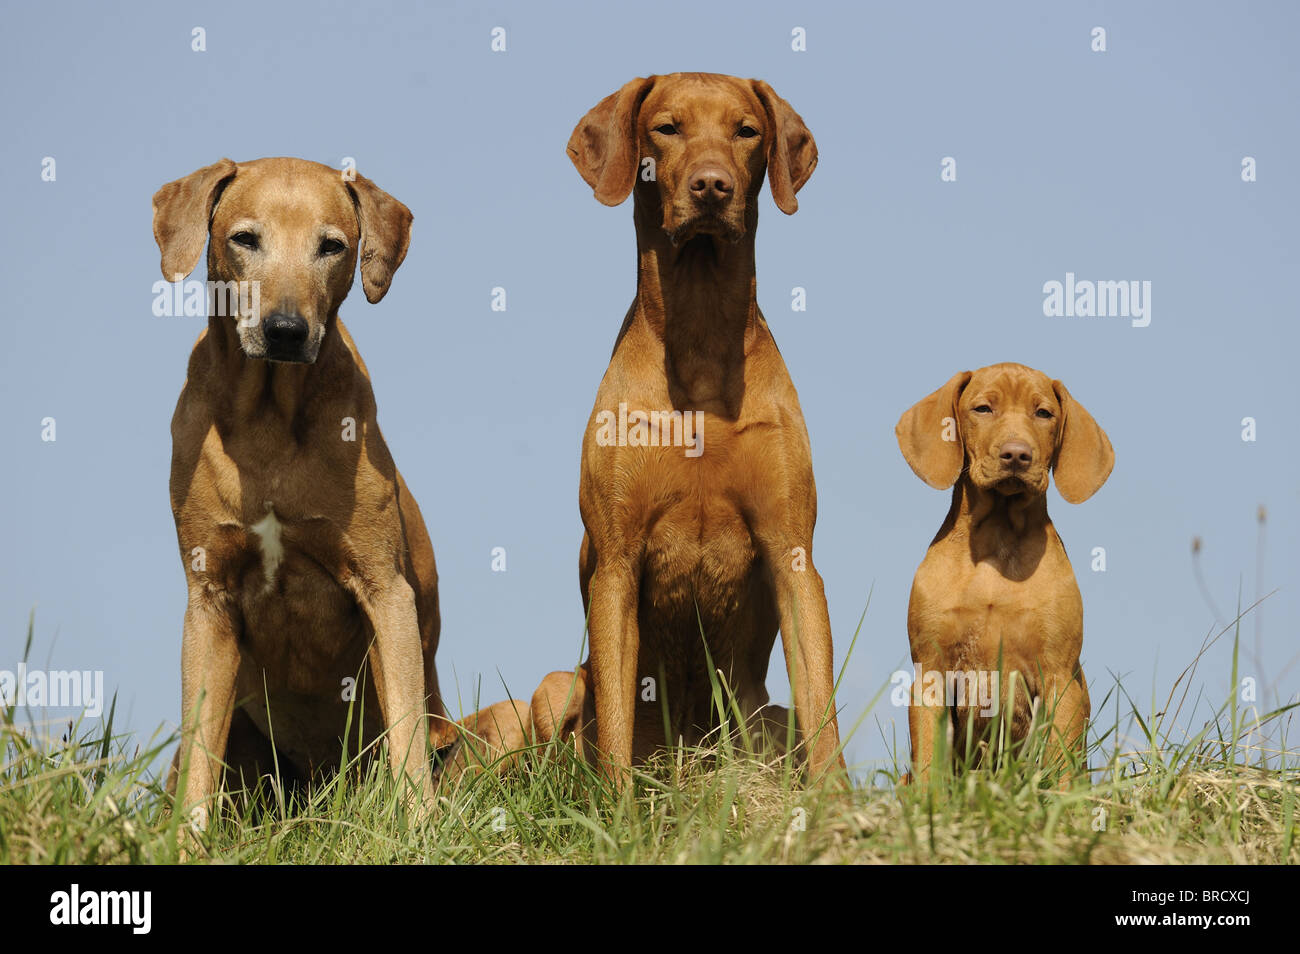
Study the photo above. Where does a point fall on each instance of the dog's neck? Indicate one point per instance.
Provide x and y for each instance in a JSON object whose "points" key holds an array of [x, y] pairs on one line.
{"points": [[699, 300], [257, 389], [1006, 530]]}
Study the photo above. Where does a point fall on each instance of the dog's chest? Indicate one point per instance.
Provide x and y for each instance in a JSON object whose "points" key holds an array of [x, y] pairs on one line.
{"points": [[985, 608], [271, 516], [687, 499], [268, 532], [699, 551], [299, 624], [699, 554], [278, 547], [304, 630]]}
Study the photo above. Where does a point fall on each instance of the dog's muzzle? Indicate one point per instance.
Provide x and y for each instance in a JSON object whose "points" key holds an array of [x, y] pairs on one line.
{"points": [[286, 338]]}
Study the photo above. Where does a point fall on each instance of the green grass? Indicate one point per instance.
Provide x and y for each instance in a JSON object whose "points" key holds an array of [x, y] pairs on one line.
{"points": [[1226, 792]]}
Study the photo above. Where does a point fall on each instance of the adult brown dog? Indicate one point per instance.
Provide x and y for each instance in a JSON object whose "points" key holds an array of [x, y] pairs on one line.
{"points": [[305, 554], [996, 584], [697, 487]]}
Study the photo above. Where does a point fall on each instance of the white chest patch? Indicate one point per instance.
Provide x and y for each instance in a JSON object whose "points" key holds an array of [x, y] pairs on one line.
{"points": [[268, 531]]}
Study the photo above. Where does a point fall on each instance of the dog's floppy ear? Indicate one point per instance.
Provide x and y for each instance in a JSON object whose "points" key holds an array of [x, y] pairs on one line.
{"points": [[604, 146], [182, 211], [385, 235], [930, 438], [791, 150], [1084, 457]]}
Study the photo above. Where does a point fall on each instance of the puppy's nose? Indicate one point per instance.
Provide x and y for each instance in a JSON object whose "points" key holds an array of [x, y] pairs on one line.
{"points": [[1016, 454], [285, 331], [711, 184]]}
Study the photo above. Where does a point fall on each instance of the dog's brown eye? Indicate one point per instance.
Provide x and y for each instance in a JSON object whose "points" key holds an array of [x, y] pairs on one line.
{"points": [[747, 132], [331, 247], [983, 409], [246, 239], [667, 129], [1044, 413]]}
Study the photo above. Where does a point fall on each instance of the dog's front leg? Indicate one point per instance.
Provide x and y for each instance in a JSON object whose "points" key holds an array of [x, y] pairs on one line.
{"points": [[615, 641], [924, 724], [397, 664], [1067, 745], [209, 664], [809, 657]]}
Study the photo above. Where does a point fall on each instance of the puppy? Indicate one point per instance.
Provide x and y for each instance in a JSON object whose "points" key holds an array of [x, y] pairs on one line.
{"points": [[995, 597]]}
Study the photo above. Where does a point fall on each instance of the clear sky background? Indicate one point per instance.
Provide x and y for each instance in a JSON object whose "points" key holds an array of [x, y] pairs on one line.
{"points": [[1122, 165]]}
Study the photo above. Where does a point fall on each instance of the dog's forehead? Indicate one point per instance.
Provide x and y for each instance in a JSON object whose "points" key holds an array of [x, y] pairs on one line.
{"points": [[1012, 382], [293, 193], [702, 96]]}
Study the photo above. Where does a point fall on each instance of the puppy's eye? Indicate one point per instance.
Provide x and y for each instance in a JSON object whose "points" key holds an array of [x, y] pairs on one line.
{"points": [[330, 247], [983, 409], [747, 132], [246, 239], [1044, 413], [667, 129]]}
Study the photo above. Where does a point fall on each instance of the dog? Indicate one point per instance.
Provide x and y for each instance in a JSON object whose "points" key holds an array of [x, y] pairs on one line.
{"points": [[995, 594], [698, 542], [306, 558]]}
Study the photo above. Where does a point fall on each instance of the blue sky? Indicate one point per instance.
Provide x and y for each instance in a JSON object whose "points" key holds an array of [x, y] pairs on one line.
{"points": [[1122, 165]]}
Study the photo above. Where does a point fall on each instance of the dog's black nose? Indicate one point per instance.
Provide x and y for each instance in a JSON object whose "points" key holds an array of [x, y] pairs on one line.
{"points": [[285, 332]]}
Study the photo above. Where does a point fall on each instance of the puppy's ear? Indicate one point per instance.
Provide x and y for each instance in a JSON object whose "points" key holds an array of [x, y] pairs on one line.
{"points": [[604, 146], [1084, 457], [182, 211], [791, 150], [922, 430], [385, 235]]}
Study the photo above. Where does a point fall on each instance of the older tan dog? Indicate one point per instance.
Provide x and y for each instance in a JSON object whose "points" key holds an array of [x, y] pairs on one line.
{"points": [[996, 583], [697, 488], [305, 554]]}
